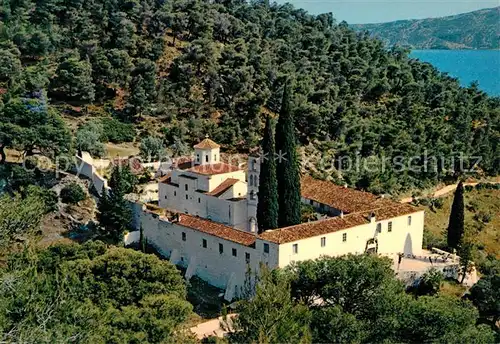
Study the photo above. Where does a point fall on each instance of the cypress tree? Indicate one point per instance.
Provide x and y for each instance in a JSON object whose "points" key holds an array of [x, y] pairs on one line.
{"points": [[267, 208], [287, 165], [456, 223], [142, 240]]}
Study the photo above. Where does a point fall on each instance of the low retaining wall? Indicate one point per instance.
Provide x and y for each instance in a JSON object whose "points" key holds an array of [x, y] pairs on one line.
{"points": [[410, 278], [84, 167]]}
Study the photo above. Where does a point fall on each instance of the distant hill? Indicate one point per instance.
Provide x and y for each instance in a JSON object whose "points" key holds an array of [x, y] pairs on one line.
{"points": [[474, 30]]}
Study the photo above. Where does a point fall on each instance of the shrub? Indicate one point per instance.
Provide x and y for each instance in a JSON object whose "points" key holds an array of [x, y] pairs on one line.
{"points": [[307, 213], [472, 206], [425, 201], [430, 282], [151, 148], [438, 203], [482, 216], [72, 193], [48, 197], [116, 131], [481, 186], [431, 240], [89, 138]]}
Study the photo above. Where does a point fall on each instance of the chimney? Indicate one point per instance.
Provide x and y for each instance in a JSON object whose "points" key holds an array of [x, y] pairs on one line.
{"points": [[372, 217], [341, 214]]}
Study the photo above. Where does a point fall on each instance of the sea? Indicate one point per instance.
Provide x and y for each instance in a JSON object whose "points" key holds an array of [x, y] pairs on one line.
{"points": [[482, 66]]}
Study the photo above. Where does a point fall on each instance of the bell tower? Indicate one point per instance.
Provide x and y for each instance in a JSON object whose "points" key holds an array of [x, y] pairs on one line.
{"points": [[252, 192]]}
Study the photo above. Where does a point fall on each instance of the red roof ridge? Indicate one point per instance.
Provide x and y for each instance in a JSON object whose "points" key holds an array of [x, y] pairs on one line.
{"points": [[212, 169], [207, 144], [217, 229], [334, 224], [339, 197], [164, 178]]}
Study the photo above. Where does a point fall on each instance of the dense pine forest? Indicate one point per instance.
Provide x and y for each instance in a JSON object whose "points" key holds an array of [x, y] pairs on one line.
{"points": [[215, 68]]}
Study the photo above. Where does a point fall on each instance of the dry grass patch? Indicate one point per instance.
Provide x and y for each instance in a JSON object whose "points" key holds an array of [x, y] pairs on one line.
{"points": [[452, 288], [121, 150], [482, 219]]}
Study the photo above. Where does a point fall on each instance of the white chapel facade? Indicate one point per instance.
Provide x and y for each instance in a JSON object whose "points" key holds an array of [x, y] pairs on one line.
{"points": [[211, 189]]}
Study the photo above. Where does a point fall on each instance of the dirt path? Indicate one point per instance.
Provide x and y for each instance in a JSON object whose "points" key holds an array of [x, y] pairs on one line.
{"points": [[444, 191]]}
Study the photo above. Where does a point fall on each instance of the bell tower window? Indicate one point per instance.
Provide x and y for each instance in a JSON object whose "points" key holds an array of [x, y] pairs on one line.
{"points": [[253, 224]]}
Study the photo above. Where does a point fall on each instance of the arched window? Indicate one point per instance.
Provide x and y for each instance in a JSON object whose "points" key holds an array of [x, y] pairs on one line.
{"points": [[251, 180], [252, 224]]}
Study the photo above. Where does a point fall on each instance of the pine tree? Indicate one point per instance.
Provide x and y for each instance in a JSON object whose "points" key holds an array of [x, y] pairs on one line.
{"points": [[456, 223], [267, 208], [287, 166]]}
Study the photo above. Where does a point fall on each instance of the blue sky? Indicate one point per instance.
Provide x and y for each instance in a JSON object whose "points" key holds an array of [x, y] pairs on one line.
{"points": [[376, 11]]}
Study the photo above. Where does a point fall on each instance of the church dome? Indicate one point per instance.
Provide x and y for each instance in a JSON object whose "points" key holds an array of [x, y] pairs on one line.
{"points": [[207, 144]]}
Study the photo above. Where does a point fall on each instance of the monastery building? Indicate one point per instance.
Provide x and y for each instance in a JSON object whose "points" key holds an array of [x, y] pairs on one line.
{"points": [[207, 222]]}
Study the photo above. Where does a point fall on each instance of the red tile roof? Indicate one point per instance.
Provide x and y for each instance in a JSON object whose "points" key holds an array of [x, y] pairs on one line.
{"points": [[217, 229], [212, 169], [223, 187], [334, 224], [183, 163], [339, 197], [168, 180], [166, 177], [207, 144]]}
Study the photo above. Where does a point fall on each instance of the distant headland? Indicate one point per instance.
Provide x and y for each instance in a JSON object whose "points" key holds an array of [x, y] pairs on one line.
{"points": [[478, 30]]}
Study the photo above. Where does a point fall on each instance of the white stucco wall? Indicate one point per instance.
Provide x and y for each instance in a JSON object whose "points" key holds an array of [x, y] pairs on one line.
{"points": [[229, 272], [207, 263], [207, 156], [404, 238], [237, 190], [231, 213], [85, 168], [216, 179]]}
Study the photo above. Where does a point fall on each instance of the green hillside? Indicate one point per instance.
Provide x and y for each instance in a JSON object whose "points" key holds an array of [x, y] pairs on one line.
{"points": [[474, 30], [481, 220], [120, 71]]}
